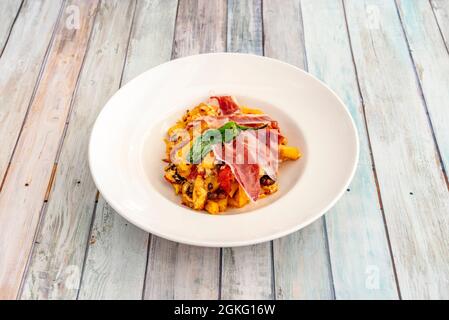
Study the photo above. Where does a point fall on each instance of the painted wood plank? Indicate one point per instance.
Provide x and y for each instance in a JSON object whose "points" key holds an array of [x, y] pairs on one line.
{"points": [[431, 60], [8, 13], [441, 11], [20, 67], [358, 245], [58, 254], [301, 264], [25, 186], [247, 271], [118, 250], [414, 192], [116, 260], [177, 271]]}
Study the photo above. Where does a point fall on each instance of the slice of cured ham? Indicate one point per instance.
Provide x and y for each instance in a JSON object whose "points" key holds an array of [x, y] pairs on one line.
{"points": [[215, 122], [228, 104], [252, 150]]}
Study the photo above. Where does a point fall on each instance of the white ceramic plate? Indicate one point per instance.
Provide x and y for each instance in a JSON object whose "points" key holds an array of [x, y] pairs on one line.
{"points": [[127, 146]]}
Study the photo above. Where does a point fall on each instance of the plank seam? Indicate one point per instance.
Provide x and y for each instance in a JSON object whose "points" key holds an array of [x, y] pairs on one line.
{"points": [[89, 234], [273, 273], [36, 234], [75, 91], [438, 25], [423, 98], [326, 238], [376, 180], [53, 174], [36, 86], [220, 274], [331, 272], [11, 27], [144, 287], [220, 260], [150, 236], [86, 250], [173, 45]]}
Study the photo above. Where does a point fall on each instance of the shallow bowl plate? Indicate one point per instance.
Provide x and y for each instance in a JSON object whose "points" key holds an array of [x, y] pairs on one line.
{"points": [[126, 147]]}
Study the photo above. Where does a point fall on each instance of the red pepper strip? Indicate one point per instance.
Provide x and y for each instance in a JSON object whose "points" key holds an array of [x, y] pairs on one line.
{"points": [[225, 178]]}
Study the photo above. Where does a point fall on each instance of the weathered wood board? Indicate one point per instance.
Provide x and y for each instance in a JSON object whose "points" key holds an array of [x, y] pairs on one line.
{"points": [[32, 163], [57, 262], [411, 182], [118, 250], [178, 271]]}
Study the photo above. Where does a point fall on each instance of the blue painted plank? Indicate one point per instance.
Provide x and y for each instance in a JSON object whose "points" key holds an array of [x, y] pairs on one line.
{"points": [[411, 183], [359, 252]]}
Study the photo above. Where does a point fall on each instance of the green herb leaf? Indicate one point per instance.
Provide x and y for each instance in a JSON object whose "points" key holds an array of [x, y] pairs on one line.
{"points": [[226, 133]]}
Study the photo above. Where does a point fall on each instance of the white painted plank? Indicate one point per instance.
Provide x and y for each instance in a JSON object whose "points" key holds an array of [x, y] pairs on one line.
{"points": [[116, 260], [57, 261], [301, 263], [441, 11], [358, 244], [431, 60], [414, 192], [19, 69], [118, 250], [8, 12], [26, 183], [177, 271], [247, 271]]}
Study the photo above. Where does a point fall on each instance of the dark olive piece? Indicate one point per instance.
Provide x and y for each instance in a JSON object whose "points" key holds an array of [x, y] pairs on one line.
{"points": [[178, 178], [190, 190], [221, 195], [265, 180], [212, 196]]}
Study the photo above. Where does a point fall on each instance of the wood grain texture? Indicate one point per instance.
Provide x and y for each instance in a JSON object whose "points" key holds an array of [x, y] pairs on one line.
{"points": [[177, 271], [301, 264], [8, 13], [57, 261], [441, 11], [116, 260], [20, 67], [358, 244], [414, 192], [117, 255], [431, 60], [247, 271], [23, 193]]}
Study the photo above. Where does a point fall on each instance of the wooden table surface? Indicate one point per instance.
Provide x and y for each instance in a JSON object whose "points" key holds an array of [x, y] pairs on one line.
{"points": [[388, 237]]}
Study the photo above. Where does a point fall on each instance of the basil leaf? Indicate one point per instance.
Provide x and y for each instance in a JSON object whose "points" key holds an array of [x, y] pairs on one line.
{"points": [[226, 133]]}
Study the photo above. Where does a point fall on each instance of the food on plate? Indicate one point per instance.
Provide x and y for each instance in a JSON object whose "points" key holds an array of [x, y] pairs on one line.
{"points": [[221, 154]]}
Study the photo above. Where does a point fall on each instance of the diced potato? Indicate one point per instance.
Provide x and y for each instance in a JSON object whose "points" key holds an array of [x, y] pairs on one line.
{"points": [[223, 204], [199, 193], [289, 152], [176, 127], [177, 187], [212, 207], [239, 199], [251, 110], [184, 169], [187, 194], [211, 181], [208, 161]]}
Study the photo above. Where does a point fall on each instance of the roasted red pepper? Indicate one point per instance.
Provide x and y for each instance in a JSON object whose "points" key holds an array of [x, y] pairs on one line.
{"points": [[225, 178]]}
